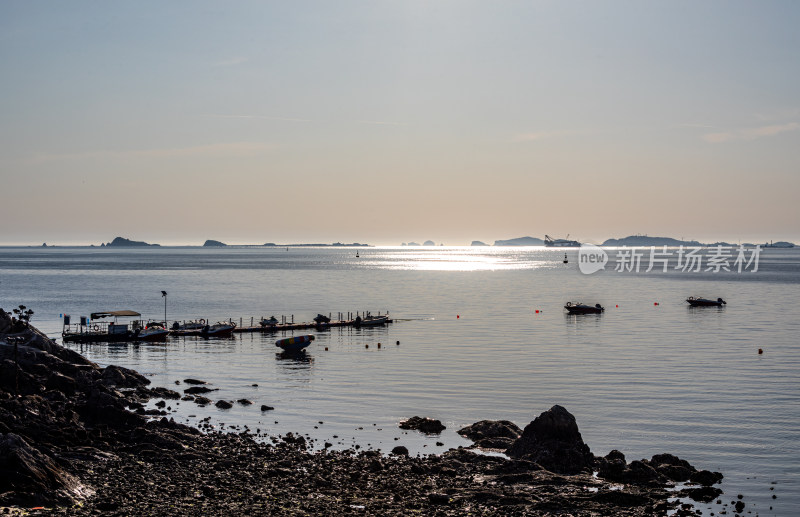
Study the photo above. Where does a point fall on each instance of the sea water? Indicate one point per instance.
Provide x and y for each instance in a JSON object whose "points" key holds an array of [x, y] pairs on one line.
{"points": [[649, 375]]}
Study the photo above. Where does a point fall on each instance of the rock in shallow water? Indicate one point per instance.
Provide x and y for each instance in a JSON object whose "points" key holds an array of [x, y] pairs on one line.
{"points": [[490, 429], [553, 441], [194, 390], [425, 425], [492, 434], [400, 451]]}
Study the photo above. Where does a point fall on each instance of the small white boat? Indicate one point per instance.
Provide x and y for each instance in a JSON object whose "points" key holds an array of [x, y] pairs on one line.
{"points": [[153, 332], [371, 321], [188, 328], [221, 328], [269, 322], [294, 343]]}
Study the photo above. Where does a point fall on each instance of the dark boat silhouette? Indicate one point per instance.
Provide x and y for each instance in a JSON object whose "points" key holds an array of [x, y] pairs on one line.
{"points": [[703, 302], [582, 308]]}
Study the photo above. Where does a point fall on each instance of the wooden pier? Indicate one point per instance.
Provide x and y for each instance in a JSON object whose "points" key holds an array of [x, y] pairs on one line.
{"points": [[288, 324], [295, 326]]}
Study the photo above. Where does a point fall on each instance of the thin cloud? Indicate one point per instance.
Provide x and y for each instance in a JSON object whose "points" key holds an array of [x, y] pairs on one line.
{"points": [[750, 133], [228, 149]]}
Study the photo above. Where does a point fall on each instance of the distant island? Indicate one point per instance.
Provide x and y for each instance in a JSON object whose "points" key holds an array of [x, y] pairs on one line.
{"points": [[121, 242], [629, 241], [779, 244], [644, 240], [520, 241], [633, 241], [334, 245]]}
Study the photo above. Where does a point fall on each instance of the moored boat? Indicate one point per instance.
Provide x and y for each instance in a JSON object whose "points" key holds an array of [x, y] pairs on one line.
{"points": [[188, 328], [704, 302], [582, 308], [371, 321], [218, 329], [93, 330], [321, 319], [268, 322], [294, 343], [153, 332]]}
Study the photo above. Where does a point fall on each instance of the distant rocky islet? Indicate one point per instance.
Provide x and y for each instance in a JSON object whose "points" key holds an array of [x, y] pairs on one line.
{"points": [[630, 241]]}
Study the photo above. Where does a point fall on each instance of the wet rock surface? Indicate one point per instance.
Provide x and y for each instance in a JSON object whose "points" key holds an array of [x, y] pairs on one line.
{"points": [[492, 434], [78, 446], [553, 441], [424, 425]]}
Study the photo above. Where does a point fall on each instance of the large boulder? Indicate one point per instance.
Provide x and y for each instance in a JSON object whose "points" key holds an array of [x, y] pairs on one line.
{"points": [[28, 476], [425, 425], [612, 466], [5, 322], [672, 467], [62, 383], [660, 469], [492, 434], [553, 441], [123, 377]]}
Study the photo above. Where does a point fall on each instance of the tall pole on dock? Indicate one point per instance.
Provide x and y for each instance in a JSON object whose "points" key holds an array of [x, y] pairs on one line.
{"points": [[164, 295]]}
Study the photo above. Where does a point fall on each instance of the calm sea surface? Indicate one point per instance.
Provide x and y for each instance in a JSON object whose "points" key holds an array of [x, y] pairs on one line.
{"points": [[650, 375]]}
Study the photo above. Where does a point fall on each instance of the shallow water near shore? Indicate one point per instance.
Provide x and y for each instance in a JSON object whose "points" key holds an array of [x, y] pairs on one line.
{"points": [[642, 378]]}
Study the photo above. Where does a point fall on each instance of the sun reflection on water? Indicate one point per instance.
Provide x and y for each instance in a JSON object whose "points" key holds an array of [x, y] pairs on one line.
{"points": [[459, 259]]}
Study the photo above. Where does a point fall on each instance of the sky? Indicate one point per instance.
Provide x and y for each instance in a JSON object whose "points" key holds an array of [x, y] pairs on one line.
{"points": [[386, 122]]}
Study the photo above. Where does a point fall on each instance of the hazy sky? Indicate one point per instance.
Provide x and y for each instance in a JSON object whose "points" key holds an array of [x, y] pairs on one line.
{"points": [[394, 121]]}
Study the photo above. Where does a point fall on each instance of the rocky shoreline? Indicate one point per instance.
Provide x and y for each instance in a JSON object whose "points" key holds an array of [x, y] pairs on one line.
{"points": [[75, 440]]}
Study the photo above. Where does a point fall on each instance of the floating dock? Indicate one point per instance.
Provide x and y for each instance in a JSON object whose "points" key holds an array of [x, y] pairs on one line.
{"points": [[288, 324]]}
